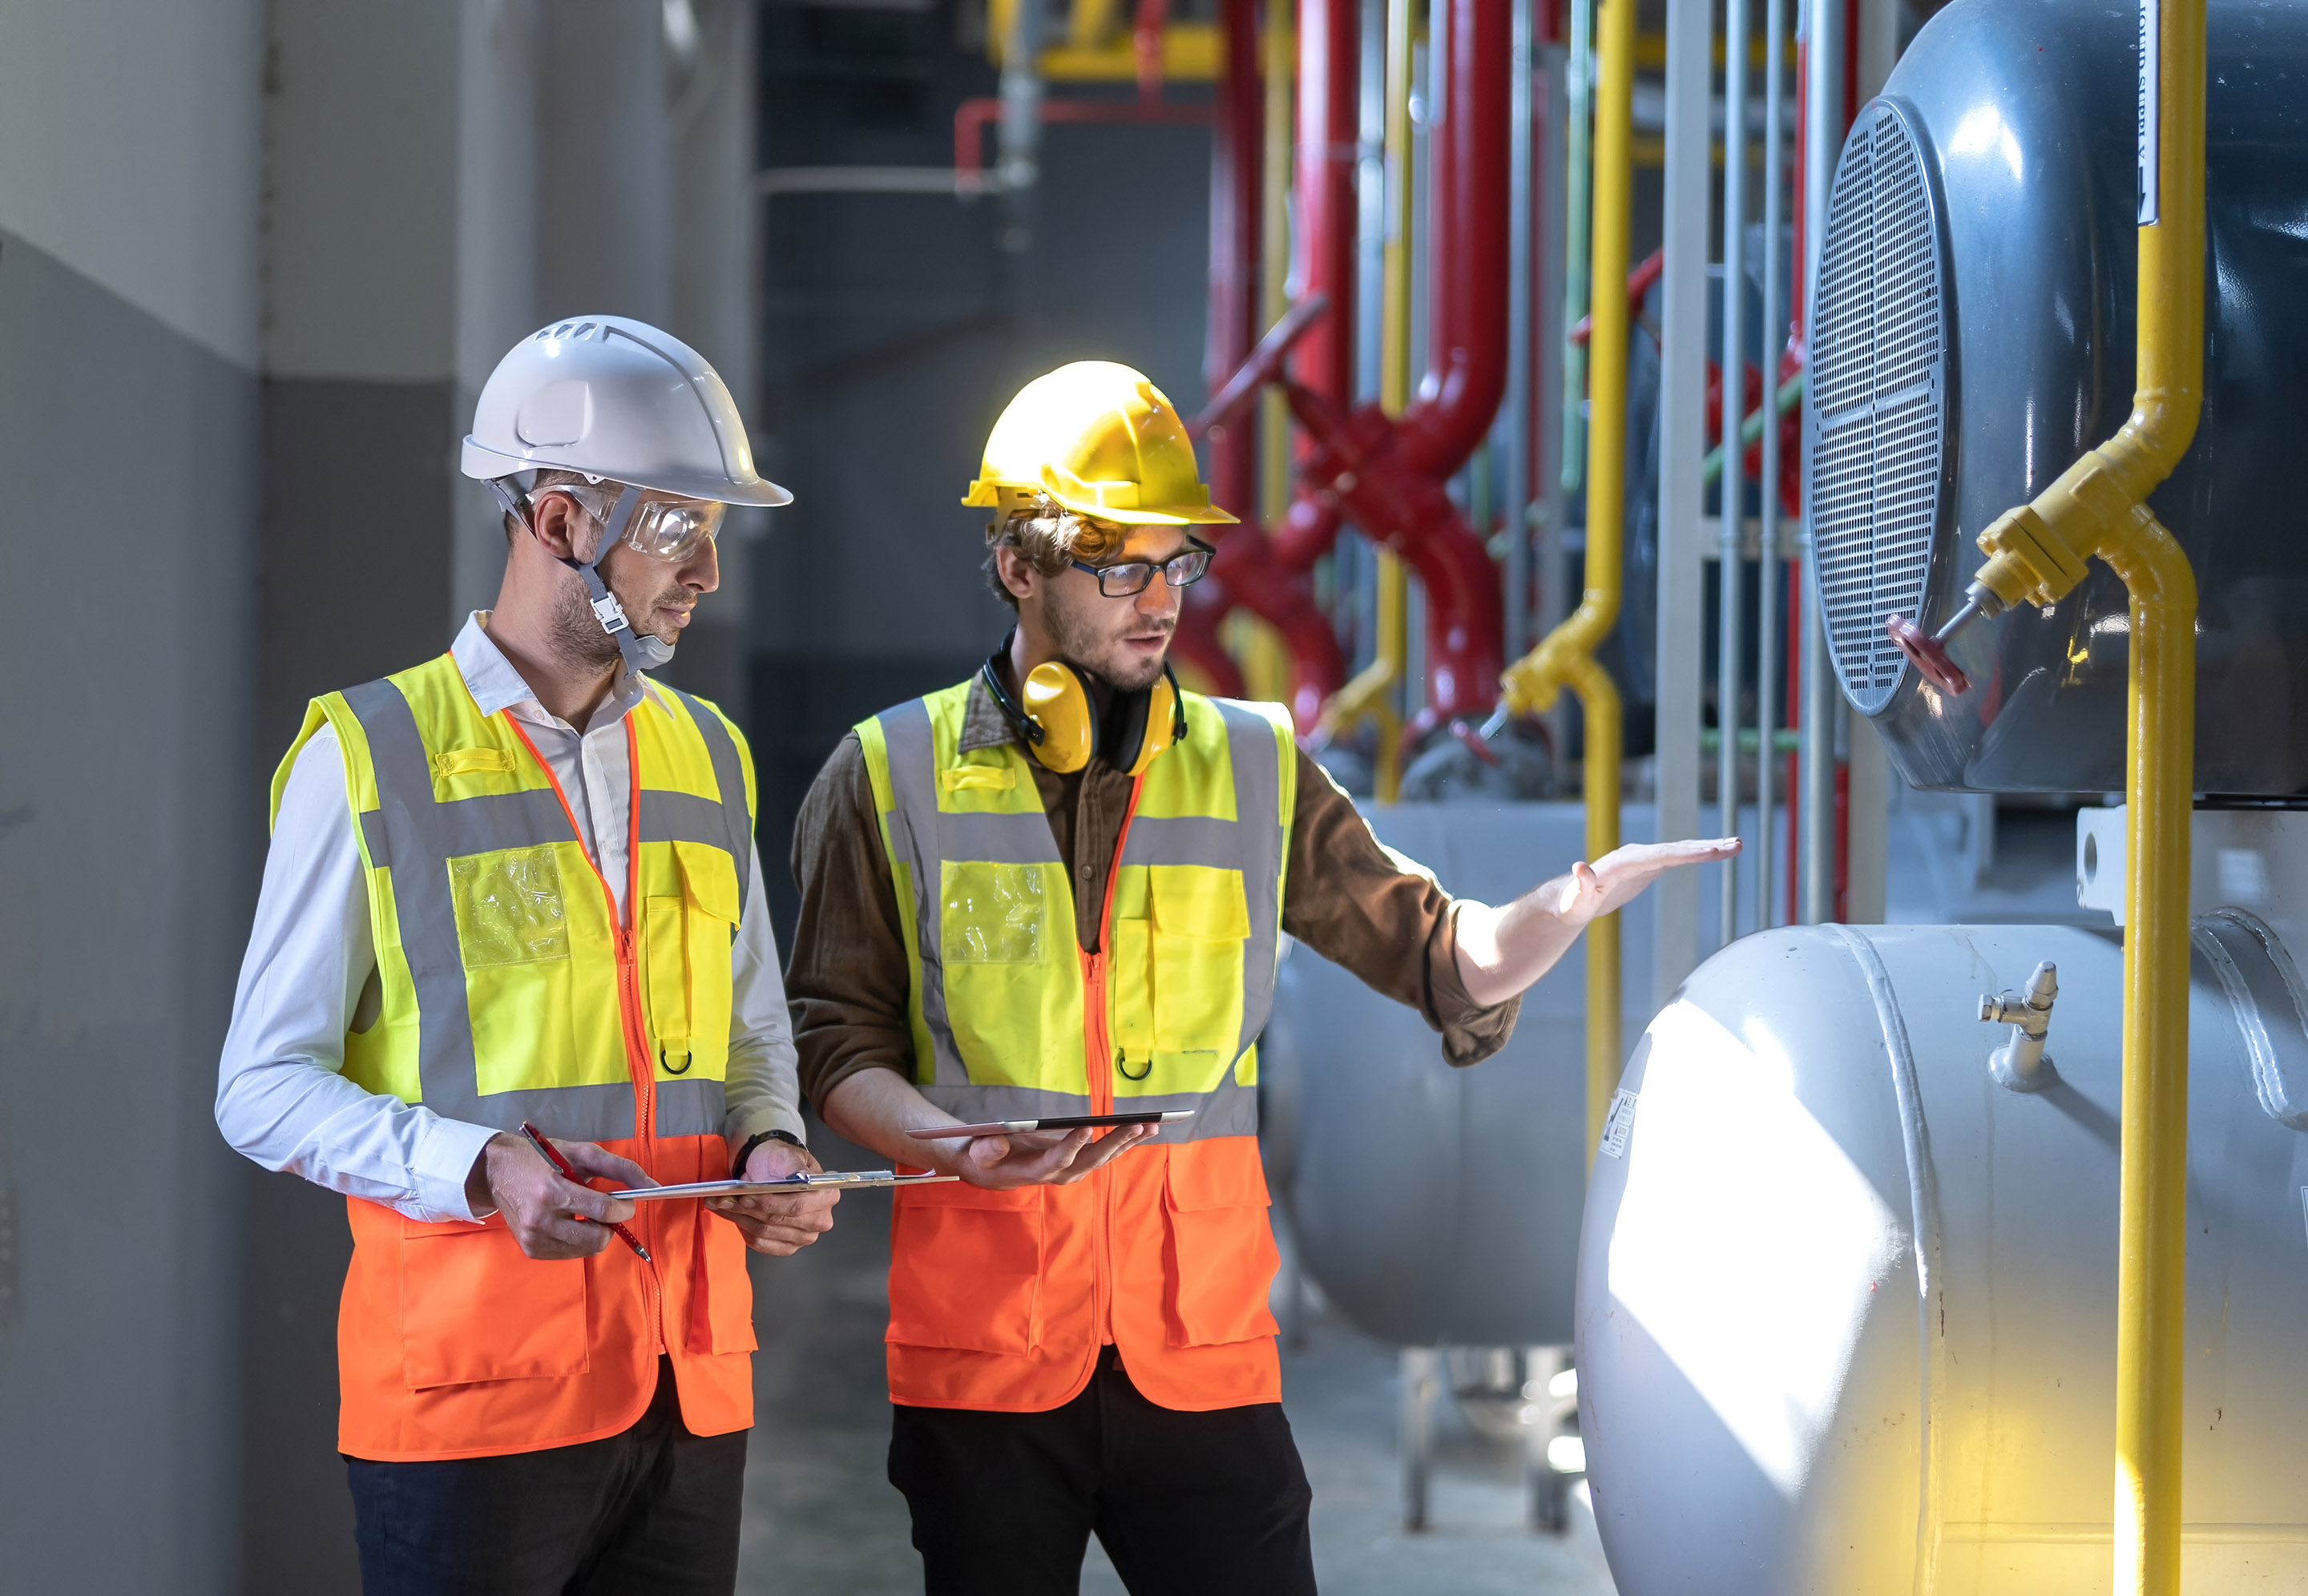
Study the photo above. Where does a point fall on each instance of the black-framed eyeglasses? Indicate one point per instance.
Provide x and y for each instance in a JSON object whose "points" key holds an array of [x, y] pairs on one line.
{"points": [[1122, 581]]}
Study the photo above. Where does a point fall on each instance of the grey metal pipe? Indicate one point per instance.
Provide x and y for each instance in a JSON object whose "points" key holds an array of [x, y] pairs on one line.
{"points": [[1733, 412], [1019, 146], [1768, 583], [1822, 143], [1578, 182], [1514, 459]]}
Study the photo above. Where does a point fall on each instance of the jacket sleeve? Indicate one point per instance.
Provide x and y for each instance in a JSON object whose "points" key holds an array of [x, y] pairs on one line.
{"points": [[1381, 917], [846, 980]]}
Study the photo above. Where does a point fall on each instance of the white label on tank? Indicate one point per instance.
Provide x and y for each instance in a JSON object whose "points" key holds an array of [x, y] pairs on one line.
{"points": [[1618, 1124], [2151, 42]]}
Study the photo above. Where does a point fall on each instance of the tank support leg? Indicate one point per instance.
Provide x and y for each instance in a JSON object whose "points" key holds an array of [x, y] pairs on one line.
{"points": [[1547, 1491], [1421, 1380]]}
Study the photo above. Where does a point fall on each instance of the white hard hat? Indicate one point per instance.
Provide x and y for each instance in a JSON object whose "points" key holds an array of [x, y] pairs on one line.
{"points": [[618, 398]]}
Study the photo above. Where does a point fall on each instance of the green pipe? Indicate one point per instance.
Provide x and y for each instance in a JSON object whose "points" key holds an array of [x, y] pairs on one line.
{"points": [[1750, 431]]}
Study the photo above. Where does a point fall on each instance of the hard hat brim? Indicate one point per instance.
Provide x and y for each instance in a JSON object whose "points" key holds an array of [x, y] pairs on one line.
{"points": [[486, 464], [988, 495]]}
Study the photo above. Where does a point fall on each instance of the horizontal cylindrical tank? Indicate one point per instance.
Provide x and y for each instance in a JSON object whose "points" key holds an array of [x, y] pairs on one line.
{"points": [[1973, 335], [1847, 1305]]}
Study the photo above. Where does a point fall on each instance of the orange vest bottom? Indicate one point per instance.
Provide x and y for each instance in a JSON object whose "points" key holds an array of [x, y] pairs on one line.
{"points": [[451, 1342], [1001, 1299]]}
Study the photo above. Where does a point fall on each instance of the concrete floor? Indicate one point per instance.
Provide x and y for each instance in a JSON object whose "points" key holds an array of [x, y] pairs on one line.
{"points": [[820, 1515]]}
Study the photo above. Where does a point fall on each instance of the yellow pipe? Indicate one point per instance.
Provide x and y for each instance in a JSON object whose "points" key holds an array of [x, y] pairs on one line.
{"points": [[1566, 657], [1266, 658], [1371, 695], [2036, 555]]}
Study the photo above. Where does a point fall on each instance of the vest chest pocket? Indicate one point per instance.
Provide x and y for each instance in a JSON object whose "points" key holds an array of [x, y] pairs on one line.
{"points": [[1195, 954], [686, 944]]}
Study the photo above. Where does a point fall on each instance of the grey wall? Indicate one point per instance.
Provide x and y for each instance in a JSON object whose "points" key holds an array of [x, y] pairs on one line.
{"points": [[128, 814], [128, 824]]}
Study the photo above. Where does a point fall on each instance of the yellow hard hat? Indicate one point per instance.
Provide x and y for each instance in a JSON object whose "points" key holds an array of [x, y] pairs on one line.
{"points": [[1102, 440]]}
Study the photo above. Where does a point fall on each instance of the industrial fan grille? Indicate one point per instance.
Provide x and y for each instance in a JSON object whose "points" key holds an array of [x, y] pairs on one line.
{"points": [[1879, 391]]}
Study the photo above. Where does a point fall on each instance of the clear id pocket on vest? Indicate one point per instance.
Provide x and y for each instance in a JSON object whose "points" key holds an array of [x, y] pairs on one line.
{"points": [[509, 906], [993, 914]]}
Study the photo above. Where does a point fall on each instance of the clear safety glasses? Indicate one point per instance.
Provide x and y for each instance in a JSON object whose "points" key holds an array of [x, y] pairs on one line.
{"points": [[1122, 581], [668, 529]]}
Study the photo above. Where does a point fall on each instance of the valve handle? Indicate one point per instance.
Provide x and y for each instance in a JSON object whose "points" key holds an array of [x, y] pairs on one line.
{"points": [[1929, 655]]}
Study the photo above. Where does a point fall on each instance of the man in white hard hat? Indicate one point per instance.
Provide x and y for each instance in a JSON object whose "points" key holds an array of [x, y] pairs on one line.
{"points": [[515, 886]]}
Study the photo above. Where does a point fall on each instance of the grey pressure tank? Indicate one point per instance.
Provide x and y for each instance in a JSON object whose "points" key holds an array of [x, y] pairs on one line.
{"points": [[1847, 1305], [1972, 334]]}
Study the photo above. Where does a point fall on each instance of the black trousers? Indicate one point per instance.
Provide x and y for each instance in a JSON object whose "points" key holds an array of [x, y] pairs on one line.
{"points": [[652, 1511], [1187, 1504]]}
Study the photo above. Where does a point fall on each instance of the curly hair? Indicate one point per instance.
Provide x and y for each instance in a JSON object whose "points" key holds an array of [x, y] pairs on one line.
{"points": [[1047, 536]]}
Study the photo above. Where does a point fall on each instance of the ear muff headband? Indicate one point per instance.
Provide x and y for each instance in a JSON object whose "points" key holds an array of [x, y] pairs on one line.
{"points": [[1058, 720]]}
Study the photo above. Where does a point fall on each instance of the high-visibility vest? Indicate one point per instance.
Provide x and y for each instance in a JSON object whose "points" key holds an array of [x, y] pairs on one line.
{"points": [[511, 991], [1001, 1299]]}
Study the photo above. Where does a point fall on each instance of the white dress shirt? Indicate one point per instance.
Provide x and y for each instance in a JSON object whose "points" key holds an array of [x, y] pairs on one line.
{"points": [[281, 1097]]}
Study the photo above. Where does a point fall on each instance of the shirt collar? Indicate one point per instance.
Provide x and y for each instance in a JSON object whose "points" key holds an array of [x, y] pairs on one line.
{"points": [[983, 724], [494, 682]]}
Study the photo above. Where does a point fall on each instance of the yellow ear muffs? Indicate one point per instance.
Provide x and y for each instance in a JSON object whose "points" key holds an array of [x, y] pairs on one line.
{"points": [[1058, 701], [1058, 718], [1152, 721]]}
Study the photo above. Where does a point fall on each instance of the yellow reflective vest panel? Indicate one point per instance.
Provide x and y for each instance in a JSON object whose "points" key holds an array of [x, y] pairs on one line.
{"points": [[1001, 1299], [510, 991]]}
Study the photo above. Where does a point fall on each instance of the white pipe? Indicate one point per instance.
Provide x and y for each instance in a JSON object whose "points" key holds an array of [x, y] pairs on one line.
{"points": [[1731, 416], [1823, 145], [1514, 460], [1767, 581], [1683, 430]]}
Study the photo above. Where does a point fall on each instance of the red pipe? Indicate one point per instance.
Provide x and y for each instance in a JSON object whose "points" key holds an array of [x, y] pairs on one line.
{"points": [[1244, 571], [1386, 477], [1467, 298]]}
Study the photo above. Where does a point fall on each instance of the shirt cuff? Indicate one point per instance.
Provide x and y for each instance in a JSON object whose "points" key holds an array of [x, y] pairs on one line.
{"points": [[1471, 1033], [446, 1155]]}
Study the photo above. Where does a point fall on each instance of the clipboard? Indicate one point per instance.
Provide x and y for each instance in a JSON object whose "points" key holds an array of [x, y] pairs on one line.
{"points": [[824, 1181]]}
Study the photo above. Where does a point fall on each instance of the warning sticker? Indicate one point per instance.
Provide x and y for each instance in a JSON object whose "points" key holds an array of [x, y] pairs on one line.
{"points": [[1618, 1124]]}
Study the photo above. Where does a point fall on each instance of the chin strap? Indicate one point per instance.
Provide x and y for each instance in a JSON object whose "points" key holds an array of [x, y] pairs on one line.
{"points": [[640, 653]]}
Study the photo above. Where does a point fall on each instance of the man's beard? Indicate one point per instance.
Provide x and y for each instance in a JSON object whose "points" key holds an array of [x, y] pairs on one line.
{"points": [[1078, 641], [575, 631]]}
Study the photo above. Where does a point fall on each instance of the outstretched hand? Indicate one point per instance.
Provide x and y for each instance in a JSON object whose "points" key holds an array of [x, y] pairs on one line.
{"points": [[1619, 876], [1501, 951]]}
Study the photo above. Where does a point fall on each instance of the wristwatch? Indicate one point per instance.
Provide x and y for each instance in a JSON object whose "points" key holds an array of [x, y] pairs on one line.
{"points": [[738, 1165]]}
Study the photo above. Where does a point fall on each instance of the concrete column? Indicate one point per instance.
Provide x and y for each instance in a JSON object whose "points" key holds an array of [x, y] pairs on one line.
{"points": [[129, 226]]}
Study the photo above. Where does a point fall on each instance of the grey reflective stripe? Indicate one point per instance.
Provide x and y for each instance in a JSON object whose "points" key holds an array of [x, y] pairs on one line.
{"points": [[686, 1108], [973, 1105], [373, 837], [1250, 843], [912, 752], [418, 840], [1230, 1110], [998, 839], [737, 833]]}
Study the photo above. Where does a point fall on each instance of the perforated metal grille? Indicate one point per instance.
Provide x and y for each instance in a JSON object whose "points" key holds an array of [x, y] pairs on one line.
{"points": [[1879, 401]]}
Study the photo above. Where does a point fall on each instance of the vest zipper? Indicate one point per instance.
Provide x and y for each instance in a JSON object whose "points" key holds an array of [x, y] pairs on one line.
{"points": [[629, 995], [1098, 1062]]}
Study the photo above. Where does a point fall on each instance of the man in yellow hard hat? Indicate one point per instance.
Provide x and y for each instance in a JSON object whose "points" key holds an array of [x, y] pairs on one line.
{"points": [[1057, 891]]}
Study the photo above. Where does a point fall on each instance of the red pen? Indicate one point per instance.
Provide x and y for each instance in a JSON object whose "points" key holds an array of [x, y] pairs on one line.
{"points": [[553, 1154]]}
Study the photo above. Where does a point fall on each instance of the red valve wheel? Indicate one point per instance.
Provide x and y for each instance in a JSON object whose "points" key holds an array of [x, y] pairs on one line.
{"points": [[1929, 655]]}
